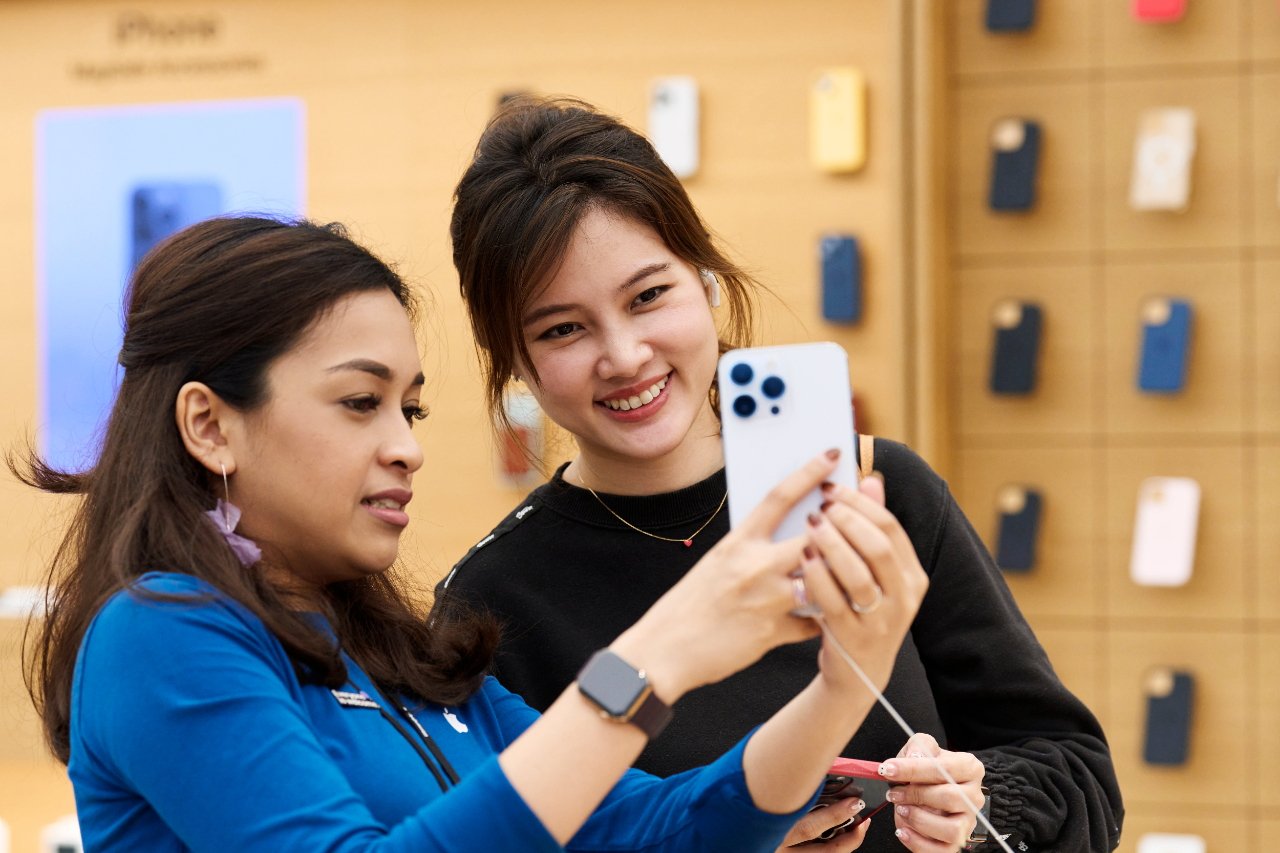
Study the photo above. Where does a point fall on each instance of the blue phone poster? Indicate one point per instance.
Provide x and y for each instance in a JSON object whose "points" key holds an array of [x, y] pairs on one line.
{"points": [[113, 182]]}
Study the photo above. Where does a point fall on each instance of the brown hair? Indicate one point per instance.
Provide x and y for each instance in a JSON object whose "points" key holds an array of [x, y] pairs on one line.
{"points": [[218, 303], [539, 166]]}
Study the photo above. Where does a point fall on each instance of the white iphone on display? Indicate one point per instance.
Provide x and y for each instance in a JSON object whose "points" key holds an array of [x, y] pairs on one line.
{"points": [[779, 407], [1162, 155], [674, 119], [1164, 533]]}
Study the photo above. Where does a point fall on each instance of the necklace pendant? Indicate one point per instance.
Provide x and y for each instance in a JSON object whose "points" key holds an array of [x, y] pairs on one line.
{"points": [[688, 543]]}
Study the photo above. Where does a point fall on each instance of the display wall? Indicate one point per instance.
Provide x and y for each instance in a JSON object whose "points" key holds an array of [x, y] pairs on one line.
{"points": [[1088, 435], [394, 96]]}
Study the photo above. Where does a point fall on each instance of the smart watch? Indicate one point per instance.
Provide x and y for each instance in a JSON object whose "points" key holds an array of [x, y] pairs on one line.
{"points": [[979, 834], [622, 693]]}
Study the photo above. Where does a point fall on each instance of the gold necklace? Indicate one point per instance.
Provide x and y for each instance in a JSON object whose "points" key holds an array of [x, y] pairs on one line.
{"points": [[688, 543]]}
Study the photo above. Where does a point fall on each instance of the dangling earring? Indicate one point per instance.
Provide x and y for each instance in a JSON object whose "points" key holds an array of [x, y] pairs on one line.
{"points": [[712, 284], [225, 516]]}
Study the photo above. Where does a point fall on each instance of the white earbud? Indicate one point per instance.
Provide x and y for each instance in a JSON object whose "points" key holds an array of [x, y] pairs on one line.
{"points": [[712, 284]]}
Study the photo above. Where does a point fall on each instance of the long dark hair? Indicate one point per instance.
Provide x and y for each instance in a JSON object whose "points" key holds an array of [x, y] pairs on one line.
{"points": [[539, 166], [218, 303]]}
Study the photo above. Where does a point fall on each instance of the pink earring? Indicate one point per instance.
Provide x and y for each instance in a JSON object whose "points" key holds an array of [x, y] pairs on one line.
{"points": [[225, 516]]}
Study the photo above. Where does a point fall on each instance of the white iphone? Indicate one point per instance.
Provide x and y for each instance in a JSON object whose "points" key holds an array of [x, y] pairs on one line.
{"points": [[1165, 842], [674, 123], [781, 406], [1162, 155], [1164, 534]]}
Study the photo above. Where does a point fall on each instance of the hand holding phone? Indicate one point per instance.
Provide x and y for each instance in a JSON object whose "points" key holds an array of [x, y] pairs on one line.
{"points": [[851, 777]]}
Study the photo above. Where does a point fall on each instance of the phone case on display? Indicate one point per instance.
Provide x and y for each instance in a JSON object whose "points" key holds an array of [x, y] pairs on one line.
{"points": [[1162, 154], [1010, 16], [522, 443], [1015, 159], [160, 209], [838, 121], [1159, 10], [1166, 842], [674, 123], [1015, 352], [781, 406], [1166, 343], [1169, 710], [1020, 508], [1165, 531], [841, 278]]}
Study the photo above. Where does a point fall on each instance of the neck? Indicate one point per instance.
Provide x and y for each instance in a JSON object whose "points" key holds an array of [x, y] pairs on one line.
{"points": [[697, 457]]}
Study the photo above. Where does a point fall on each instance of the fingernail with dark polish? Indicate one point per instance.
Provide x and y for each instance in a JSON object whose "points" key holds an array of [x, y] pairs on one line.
{"points": [[824, 506], [809, 553], [814, 520], [828, 486], [833, 453]]}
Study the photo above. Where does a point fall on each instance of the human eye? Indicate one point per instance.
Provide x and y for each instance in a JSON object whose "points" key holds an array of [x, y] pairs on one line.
{"points": [[363, 404], [414, 412], [649, 295], [559, 331]]}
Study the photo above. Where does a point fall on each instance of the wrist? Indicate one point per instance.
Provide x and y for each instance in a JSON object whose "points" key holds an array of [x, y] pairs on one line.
{"points": [[664, 672]]}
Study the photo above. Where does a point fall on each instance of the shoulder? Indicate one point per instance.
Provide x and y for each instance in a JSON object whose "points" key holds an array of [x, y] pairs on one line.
{"points": [[507, 534]]}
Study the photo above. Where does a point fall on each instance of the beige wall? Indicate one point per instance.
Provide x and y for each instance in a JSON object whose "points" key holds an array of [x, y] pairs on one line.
{"points": [[1087, 437], [396, 94]]}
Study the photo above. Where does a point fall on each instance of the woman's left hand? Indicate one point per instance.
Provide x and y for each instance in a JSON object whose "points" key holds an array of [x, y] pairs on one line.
{"points": [[931, 813]]}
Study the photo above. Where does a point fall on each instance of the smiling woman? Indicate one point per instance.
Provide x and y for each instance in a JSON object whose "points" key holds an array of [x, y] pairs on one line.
{"points": [[271, 373]]}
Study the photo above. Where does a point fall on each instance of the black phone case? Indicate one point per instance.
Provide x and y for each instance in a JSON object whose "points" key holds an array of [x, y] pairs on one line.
{"points": [[1016, 542], [1010, 16], [1016, 352], [1168, 735], [1013, 172]]}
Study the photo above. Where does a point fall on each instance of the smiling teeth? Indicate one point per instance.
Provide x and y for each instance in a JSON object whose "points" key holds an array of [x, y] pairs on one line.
{"points": [[385, 504], [644, 398]]}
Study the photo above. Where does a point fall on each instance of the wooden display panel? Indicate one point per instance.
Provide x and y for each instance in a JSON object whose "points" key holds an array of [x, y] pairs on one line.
{"points": [[1060, 40], [1059, 222], [1266, 157], [1266, 651], [1217, 590], [1067, 579], [1266, 320], [1063, 404], [1263, 39], [36, 793], [1222, 828], [1218, 769], [23, 739], [1077, 658], [1209, 32], [1213, 398], [1269, 834], [1265, 603], [1212, 219]]}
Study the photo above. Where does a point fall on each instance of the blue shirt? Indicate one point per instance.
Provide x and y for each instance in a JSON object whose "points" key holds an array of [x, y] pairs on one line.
{"points": [[190, 730]]}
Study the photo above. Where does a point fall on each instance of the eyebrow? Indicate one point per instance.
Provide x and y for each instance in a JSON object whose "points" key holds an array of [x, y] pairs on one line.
{"points": [[376, 368], [637, 276]]}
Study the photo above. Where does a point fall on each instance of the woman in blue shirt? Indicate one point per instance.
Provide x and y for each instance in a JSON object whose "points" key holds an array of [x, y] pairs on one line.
{"points": [[228, 664]]}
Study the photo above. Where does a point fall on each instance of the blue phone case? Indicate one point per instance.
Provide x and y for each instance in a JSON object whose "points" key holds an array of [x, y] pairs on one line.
{"points": [[1015, 353], [841, 279], [1013, 172], [158, 210], [1168, 735], [1010, 16], [1162, 368], [1016, 542]]}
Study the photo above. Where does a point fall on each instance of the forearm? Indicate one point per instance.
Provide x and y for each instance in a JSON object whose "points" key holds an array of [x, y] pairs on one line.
{"points": [[788, 757]]}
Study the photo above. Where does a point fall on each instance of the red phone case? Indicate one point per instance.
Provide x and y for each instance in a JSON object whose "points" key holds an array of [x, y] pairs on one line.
{"points": [[1159, 10]]}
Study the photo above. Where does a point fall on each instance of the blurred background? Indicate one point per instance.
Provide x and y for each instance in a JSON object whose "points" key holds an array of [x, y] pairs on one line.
{"points": [[1048, 235]]}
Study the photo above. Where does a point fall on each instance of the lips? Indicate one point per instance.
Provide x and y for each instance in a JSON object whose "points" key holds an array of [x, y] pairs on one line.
{"points": [[389, 506], [636, 399]]}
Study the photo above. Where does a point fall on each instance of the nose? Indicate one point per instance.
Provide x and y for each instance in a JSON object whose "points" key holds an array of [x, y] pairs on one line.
{"points": [[401, 449], [624, 352]]}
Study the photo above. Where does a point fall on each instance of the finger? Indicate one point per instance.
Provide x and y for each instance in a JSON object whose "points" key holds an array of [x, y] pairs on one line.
{"points": [[887, 565], [950, 830], [844, 842], [918, 843], [848, 578], [868, 499], [823, 818], [873, 487], [919, 745], [963, 767], [766, 517]]}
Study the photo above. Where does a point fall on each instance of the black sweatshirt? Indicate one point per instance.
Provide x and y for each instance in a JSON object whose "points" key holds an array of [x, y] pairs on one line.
{"points": [[565, 577]]}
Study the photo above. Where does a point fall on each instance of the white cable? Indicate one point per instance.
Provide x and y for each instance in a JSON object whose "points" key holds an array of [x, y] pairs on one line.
{"points": [[992, 835]]}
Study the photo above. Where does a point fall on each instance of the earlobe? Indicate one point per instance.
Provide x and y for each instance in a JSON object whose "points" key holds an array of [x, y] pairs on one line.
{"points": [[202, 418], [711, 282]]}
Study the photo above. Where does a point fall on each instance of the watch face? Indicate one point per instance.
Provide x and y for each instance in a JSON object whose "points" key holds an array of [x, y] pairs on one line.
{"points": [[612, 683]]}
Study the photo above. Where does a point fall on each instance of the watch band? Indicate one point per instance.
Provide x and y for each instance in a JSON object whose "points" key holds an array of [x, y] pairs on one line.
{"points": [[621, 693], [652, 716]]}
